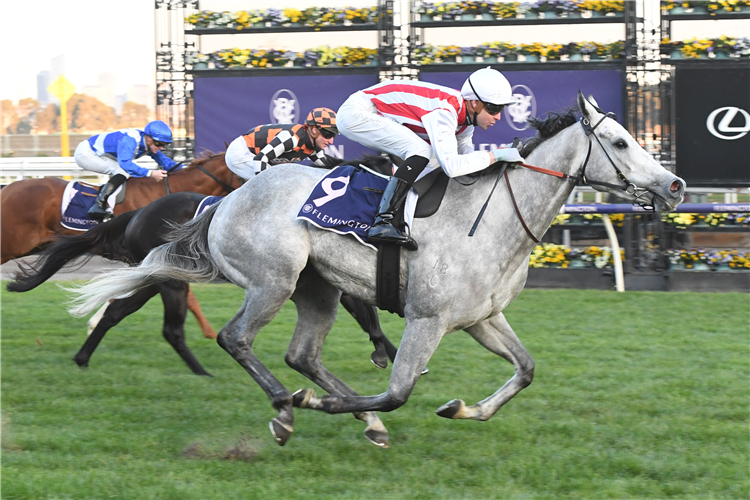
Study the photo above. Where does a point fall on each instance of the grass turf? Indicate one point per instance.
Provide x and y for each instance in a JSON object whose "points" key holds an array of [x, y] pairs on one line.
{"points": [[635, 395]]}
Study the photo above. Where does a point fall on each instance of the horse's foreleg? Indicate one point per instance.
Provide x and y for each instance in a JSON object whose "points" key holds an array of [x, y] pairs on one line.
{"points": [[317, 305], [174, 294], [496, 335], [195, 308], [96, 318], [367, 317], [421, 338], [114, 313], [237, 338]]}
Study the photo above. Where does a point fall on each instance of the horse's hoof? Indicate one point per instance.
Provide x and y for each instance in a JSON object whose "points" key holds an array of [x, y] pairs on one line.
{"points": [[301, 398], [281, 432], [450, 409], [425, 371], [378, 438], [81, 363], [379, 359]]}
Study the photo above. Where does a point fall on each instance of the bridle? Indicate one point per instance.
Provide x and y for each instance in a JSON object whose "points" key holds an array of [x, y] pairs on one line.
{"points": [[628, 187], [227, 187]]}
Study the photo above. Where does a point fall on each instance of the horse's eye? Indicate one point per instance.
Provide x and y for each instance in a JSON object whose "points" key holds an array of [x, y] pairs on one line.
{"points": [[621, 144]]}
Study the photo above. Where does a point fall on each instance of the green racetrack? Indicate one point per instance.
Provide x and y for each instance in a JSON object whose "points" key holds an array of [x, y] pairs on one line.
{"points": [[635, 395]]}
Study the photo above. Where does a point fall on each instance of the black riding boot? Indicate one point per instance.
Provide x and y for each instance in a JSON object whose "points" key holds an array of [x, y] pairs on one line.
{"points": [[99, 210], [383, 230]]}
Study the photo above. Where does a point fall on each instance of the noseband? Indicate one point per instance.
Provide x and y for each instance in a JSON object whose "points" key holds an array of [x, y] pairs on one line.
{"points": [[629, 188]]}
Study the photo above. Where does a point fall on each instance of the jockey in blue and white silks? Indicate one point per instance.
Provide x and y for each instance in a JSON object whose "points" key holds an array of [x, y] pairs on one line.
{"points": [[113, 154]]}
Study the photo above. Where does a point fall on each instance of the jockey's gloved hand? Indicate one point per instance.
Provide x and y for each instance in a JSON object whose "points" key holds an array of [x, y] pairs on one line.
{"points": [[510, 155]]}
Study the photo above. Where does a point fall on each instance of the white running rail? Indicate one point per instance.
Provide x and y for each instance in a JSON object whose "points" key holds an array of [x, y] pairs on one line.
{"points": [[14, 169]]}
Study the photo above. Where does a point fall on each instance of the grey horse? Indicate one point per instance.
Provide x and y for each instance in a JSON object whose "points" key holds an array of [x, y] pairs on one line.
{"points": [[453, 282]]}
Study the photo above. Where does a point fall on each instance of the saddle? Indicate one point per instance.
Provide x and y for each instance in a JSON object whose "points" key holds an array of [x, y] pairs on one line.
{"points": [[431, 189]]}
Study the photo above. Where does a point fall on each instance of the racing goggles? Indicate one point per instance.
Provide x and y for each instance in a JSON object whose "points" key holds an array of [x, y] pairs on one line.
{"points": [[160, 144], [327, 134], [491, 108]]}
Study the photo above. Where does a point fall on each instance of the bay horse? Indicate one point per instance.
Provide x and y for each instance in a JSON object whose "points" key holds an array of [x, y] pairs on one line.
{"points": [[452, 282], [31, 216], [30, 209]]}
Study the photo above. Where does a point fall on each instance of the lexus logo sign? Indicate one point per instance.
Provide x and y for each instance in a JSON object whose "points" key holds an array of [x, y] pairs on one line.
{"points": [[718, 123]]}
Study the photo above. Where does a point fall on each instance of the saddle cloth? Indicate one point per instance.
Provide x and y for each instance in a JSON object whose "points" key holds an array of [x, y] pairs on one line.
{"points": [[345, 201], [77, 199], [205, 203]]}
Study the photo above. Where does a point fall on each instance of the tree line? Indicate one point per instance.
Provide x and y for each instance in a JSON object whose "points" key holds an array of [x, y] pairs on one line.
{"points": [[85, 114]]}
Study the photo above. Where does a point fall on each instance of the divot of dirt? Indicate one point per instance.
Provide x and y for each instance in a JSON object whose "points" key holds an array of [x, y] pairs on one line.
{"points": [[244, 450]]}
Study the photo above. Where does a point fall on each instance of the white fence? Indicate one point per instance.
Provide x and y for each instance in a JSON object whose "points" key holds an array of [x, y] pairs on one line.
{"points": [[14, 169]]}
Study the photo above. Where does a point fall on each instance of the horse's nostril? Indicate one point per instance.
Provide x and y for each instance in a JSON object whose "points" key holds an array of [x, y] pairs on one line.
{"points": [[676, 186]]}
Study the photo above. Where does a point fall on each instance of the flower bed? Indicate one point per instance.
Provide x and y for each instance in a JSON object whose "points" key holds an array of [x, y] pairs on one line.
{"points": [[679, 220], [549, 255], [711, 7], [595, 219], [271, 58], [717, 48], [709, 260], [683, 221], [509, 52], [312, 16], [545, 9]]}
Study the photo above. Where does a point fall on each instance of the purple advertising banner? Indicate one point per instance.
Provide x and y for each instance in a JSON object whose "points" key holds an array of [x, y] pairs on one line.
{"points": [[536, 94], [227, 107]]}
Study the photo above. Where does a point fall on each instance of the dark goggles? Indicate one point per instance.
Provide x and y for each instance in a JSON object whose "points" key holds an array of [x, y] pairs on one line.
{"points": [[491, 108], [327, 133], [160, 144]]}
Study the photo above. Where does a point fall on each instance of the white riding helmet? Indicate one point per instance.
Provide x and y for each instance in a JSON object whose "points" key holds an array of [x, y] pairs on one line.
{"points": [[491, 86]]}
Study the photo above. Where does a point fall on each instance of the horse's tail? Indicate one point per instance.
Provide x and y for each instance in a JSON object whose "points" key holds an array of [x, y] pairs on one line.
{"points": [[103, 239], [185, 258]]}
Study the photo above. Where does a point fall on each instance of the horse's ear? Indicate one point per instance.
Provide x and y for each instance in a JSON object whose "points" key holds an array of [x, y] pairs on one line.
{"points": [[593, 101], [587, 108]]}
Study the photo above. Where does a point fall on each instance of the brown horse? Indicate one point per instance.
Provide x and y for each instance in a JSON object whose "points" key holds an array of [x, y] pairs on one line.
{"points": [[30, 210]]}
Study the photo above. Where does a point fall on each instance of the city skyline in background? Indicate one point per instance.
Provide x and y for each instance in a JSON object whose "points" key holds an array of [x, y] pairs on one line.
{"points": [[106, 49], [105, 90]]}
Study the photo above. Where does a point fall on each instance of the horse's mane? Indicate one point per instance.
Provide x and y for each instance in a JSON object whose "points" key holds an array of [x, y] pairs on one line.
{"points": [[200, 159], [548, 127]]}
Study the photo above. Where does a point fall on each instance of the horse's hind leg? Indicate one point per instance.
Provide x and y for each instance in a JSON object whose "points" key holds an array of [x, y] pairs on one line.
{"points": [[174, 294], [115, 312], [317, 304], [96, 318], [496, 335], [237, 336], [195, 308], [367, 317]]}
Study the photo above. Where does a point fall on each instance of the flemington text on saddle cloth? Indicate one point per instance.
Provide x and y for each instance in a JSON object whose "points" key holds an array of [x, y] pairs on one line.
{"points": [[345, 201], [77, 198]]}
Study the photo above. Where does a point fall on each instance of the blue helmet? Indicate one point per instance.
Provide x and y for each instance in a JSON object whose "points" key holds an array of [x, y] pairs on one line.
{"points": [[159, 131]]}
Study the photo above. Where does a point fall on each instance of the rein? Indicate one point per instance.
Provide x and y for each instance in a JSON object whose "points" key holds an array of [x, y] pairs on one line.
{"points": [[227, 187]]}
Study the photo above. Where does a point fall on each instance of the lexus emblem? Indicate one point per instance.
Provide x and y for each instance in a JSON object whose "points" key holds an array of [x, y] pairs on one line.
{"points": [[725, 116]]}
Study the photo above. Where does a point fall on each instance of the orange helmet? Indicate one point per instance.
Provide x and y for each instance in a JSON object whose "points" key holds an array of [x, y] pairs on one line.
{"points": [[322, 118]]}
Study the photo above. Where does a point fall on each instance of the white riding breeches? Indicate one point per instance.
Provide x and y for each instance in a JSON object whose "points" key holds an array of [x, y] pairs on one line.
{"points": [[358, 120], [240, 160], [87, 159]]}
